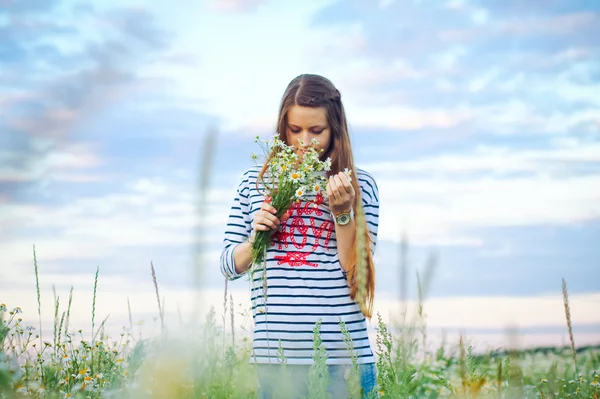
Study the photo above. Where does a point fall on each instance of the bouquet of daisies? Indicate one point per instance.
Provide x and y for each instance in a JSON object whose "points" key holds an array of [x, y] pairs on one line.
{"points": [[291, 179]]}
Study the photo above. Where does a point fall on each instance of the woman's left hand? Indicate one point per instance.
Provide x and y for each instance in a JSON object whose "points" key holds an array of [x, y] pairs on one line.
{"points": [[340, 193]]}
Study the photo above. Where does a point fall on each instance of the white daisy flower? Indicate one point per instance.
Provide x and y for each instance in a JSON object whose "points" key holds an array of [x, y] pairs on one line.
{"points": [[296, 176], [348, 173]]}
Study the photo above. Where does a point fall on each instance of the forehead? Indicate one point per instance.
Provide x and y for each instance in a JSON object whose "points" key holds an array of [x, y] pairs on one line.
{"points": [[307, 116]]}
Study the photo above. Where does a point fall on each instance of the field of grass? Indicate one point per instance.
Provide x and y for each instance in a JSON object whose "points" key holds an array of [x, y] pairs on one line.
{"points": [[206, 362]]}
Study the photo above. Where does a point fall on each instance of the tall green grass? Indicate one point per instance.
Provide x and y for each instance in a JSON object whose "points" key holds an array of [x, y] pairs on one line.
{"points": [[208, 362]]}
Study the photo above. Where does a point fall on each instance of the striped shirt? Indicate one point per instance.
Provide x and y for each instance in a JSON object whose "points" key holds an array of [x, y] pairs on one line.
{"points": [[304, 279]]}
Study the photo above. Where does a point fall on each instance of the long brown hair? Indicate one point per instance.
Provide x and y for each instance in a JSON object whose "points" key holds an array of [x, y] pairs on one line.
{"points": [[310, 90]]}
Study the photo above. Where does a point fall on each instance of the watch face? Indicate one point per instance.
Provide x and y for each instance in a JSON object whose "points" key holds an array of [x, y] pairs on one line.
{"points": [[343, 219]]}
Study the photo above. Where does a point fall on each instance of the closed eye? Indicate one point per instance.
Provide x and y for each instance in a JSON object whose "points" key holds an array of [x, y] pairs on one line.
{"points": [[298, 131]]}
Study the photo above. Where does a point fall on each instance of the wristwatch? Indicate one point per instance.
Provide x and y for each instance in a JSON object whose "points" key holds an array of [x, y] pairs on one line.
{"points": [[343, 218]]}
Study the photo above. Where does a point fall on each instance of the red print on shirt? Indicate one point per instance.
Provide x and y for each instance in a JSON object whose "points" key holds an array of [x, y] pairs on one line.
{"points": [[283, 237]]}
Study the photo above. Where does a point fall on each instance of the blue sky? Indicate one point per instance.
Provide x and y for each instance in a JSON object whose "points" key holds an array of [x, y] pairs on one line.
{"points": [[478, 119]]}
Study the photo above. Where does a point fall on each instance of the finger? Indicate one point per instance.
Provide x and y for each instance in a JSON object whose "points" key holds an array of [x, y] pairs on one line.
{"points": [[261, 227], [329, 190], [334, 188], [268, 207], [270, 218], [340, 185], [265, 224], [346, 183]]}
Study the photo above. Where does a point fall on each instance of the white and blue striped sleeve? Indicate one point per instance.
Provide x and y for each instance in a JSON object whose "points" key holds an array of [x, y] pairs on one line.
{"points": [[370, 200], [237, 231]]}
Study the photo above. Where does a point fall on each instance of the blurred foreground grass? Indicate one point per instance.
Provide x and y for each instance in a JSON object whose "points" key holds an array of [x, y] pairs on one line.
{"points": [[205, 362]]}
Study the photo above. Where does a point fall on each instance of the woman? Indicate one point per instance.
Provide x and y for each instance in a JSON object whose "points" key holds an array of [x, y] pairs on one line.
{"points": [[310, 267]]}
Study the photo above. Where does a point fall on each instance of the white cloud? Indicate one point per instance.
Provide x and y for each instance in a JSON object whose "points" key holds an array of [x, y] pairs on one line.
{"points": [[496, 161], [406, 117], [499, 312], [150, 212], [58, 164], [235, 6], [518, 187], [440, 208]]}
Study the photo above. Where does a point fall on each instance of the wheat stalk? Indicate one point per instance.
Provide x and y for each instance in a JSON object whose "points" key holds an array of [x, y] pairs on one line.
{"points": [[232, 320], [39, 301], [130, 319], [94, 302], [569, 325], [361, 261], [68, 311], [160, 309]]}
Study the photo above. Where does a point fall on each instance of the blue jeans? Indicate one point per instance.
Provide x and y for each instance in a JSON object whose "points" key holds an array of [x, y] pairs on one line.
{"points": [[272, 384]]}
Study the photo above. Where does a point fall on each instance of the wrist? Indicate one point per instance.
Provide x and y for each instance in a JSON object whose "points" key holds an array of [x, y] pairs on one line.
{"points": [[344, 217], [250, 239]]}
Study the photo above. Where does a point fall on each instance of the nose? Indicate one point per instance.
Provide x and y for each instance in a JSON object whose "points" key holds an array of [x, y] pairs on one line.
{"points": [[305, 137]]}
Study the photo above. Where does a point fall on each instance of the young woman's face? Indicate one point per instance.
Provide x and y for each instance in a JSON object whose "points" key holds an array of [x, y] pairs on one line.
{"points": [[306, 123]]}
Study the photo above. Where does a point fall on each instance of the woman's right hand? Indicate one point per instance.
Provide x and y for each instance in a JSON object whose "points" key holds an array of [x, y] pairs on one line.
{"points": [[265, 218]]}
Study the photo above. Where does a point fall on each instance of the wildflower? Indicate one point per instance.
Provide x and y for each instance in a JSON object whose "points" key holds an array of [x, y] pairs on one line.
{"points": [[348, 173], [88, 378], [295, 176], [2, 307], [595, 384], [544, 380]]}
